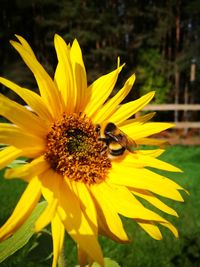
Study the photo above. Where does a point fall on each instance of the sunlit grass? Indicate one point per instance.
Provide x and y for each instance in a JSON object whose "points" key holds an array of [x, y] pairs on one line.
{"points": [[143, 250]]}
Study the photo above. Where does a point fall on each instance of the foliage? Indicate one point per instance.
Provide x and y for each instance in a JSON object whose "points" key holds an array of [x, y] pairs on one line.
{"points": [[156, 39], [152, 76], [21, 238], [143, 250]]}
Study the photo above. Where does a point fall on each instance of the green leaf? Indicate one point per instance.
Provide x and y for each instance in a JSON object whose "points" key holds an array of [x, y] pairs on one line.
{"points": [[21, 236], [108, 263]]}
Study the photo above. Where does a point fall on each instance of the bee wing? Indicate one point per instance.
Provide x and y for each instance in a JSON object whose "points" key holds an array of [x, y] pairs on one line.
{"points": [[125, 141], [131, 144], [113, 137]]}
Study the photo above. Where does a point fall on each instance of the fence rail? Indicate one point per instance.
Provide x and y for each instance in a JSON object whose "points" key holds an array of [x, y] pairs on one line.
{"points": [[166, 107], [177, 107]]}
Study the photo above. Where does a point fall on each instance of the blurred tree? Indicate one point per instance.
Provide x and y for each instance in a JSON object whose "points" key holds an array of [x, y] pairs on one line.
{"points": [[159, 40], [152, 71]]}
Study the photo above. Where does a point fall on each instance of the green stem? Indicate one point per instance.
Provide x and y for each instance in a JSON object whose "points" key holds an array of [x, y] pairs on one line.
{"points": [[61, 259]]}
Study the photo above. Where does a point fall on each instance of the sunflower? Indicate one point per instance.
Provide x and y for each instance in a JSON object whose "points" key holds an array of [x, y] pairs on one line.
{"points": [[88, 181]]}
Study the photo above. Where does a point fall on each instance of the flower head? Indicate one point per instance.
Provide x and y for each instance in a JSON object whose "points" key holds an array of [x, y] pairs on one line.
{"points": [[84, 155]]}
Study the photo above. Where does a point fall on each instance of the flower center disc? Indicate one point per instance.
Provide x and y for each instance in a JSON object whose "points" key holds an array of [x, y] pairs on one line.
{"points": [[74, 151]]}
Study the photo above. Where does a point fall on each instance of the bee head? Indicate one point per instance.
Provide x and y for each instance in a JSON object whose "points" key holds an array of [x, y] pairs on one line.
{"points": [[110, 127]]}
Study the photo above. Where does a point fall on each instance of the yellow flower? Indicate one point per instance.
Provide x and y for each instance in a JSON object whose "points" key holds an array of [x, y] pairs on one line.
{"points": [[72, 161]]}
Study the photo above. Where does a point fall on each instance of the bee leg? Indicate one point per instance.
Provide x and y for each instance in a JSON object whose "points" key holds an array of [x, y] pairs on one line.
{"points": [[97, 129]]}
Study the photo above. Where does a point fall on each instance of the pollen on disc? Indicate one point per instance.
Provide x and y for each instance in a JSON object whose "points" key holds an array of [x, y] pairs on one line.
{"points": [[74, 151]]}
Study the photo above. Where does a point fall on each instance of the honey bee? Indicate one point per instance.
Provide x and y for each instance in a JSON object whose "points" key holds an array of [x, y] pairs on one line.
{"points": [[116, 140]]}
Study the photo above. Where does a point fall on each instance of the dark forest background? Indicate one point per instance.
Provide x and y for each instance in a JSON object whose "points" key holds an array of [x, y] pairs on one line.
{"points": [[158, 40]]}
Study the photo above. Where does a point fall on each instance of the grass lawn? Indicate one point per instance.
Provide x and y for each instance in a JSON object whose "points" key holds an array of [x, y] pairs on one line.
{"points": [[143, 250]]}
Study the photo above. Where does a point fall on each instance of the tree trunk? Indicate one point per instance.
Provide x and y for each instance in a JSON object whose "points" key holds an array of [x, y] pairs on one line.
{"points": [[177, 73]]}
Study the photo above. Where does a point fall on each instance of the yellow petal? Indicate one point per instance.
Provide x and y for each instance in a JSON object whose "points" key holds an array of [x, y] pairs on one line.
{"points": [[64, 74], [25, 45], [8, 154], [105, 230], [139, 120], [100, 91], [48, 89], [47, 215], [144, 130], [150, 228], [74, 220], [152, 142], [22, 211], [32, 152], [108, 215], [152, 152], [109, 107], [51, 182], [86, 203], [28, 170], [80, 78], [153, 230], [147, 161], [78, 227], [58, 234], [154, 201], [124, 203], [171, 228], [33, 100], [90, 261], [82, 257], [12, 135], [22, 117], [145, 179], [128, 109]]}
